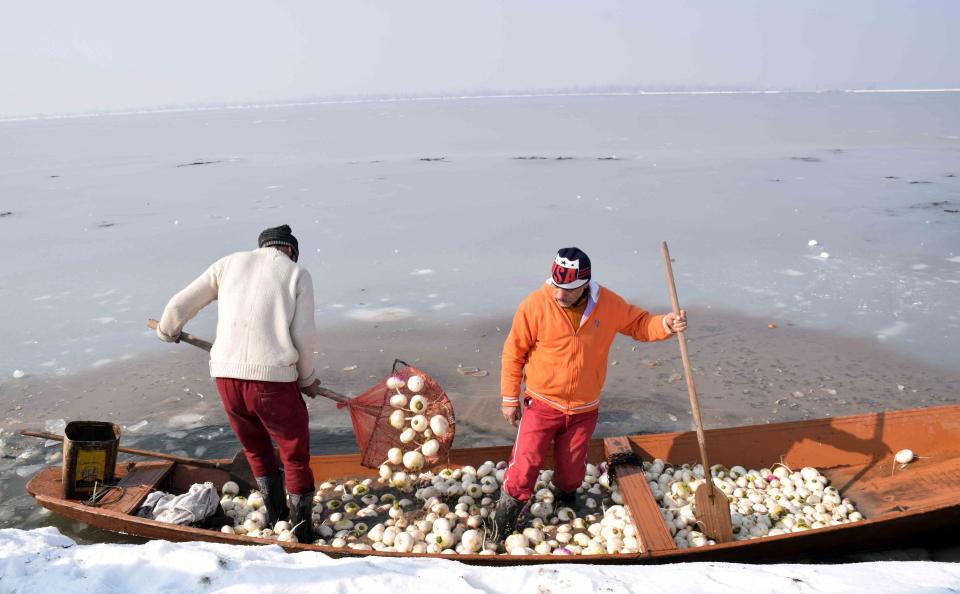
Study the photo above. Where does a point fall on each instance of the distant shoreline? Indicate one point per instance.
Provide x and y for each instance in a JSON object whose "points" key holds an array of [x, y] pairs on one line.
{"points": [[449, 97]]}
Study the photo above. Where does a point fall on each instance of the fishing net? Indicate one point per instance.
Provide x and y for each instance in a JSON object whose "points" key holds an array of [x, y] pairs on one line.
{"points": [[370, 413]]}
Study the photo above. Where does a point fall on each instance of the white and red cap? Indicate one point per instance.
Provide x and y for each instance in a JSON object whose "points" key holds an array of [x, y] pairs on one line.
{"points": [[571, 269]]}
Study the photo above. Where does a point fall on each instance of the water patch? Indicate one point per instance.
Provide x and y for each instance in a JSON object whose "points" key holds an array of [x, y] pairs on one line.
{"points": [[137, 426], [760, 291], [895, 329], [185, 420], [380, 314], [25, 471]]}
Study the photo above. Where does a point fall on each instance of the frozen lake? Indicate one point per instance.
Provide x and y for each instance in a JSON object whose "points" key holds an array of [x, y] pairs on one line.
{"points": [[441, 210]]}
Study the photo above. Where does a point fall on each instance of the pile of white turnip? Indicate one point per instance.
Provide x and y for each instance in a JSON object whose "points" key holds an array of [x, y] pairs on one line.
{"points": [[418, 433], [249, 515], [450, 511], [763, 502]]}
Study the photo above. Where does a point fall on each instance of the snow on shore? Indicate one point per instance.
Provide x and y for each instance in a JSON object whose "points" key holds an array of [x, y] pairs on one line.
{"points": [[43, 560]]}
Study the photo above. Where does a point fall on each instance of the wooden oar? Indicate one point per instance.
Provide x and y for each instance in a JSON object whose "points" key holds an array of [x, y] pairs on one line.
{"points": [[207, 345], [238, 467], [365, 414], [184, 337], [713, 511]]}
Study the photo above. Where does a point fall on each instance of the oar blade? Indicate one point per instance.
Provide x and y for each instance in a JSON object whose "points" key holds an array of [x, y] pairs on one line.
{"points": [[713, 512]]}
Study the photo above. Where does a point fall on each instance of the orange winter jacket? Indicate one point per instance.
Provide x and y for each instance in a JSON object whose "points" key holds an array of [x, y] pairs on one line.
{"points": [[563, 367]]}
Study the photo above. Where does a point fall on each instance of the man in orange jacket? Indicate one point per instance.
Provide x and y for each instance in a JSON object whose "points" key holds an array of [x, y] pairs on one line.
{"points": [[558, 347]]}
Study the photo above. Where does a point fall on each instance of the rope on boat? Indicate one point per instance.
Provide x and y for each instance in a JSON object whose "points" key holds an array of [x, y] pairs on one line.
{"points": [[624, 458], [99, 498]]}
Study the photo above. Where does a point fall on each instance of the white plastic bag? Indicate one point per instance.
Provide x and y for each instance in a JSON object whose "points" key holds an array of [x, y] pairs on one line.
{"points": [[153, 499], [193, 506]]}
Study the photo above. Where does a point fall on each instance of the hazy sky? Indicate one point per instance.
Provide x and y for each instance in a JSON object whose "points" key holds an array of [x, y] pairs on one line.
{"points": [[69, 56]]}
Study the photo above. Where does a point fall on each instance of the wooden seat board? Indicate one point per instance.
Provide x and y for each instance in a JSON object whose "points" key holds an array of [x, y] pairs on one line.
{"points": [[652, 532]]}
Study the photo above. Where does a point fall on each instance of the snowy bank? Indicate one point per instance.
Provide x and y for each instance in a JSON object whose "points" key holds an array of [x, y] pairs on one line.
{"points": [[43, 560]]}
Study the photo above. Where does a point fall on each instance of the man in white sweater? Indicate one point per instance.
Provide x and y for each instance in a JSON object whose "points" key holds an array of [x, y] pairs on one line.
{"points": [[262, 360]]}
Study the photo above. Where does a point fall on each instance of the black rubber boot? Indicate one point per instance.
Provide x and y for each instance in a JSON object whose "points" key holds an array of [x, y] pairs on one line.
{"points": [[566, 498], [301, 516], [505, 517], [274, 498]]}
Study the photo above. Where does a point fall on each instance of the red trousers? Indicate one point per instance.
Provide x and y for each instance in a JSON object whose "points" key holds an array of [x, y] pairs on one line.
{"points": [[265, 412], [541, 426]]}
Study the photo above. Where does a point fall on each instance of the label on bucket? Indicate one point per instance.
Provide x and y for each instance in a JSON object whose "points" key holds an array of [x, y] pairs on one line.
{"points": [[90, 468]]}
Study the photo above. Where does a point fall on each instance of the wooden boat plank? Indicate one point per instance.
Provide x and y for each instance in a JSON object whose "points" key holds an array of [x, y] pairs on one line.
{"points": [[886, 488], [136, 484], [652, 532], [859, 439]]}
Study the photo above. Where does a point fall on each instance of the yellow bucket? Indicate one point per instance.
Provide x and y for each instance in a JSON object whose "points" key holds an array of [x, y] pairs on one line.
{"points": [[89, 457]]}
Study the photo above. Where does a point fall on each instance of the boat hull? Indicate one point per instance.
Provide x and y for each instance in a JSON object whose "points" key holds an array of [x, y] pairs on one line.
{"points": [[856, 453]]}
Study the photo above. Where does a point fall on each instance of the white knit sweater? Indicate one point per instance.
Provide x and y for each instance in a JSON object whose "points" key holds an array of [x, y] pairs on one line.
{"points": [[265, 326]]}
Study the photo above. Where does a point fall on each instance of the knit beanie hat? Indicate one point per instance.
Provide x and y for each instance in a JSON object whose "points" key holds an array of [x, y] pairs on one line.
{"points": [[571, 269], [281, 235]]}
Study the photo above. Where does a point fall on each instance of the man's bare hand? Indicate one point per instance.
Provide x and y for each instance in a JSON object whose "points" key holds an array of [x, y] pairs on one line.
{"points": [[511, 414], [313, 390], [676, 323]]}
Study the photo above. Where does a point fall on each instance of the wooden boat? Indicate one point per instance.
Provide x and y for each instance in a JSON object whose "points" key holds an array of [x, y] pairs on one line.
{"points": [[855, 453]]}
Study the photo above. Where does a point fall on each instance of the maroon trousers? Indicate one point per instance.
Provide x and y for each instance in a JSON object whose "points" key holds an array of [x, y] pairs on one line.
{"points": [[265, 412], [540, 427]]}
